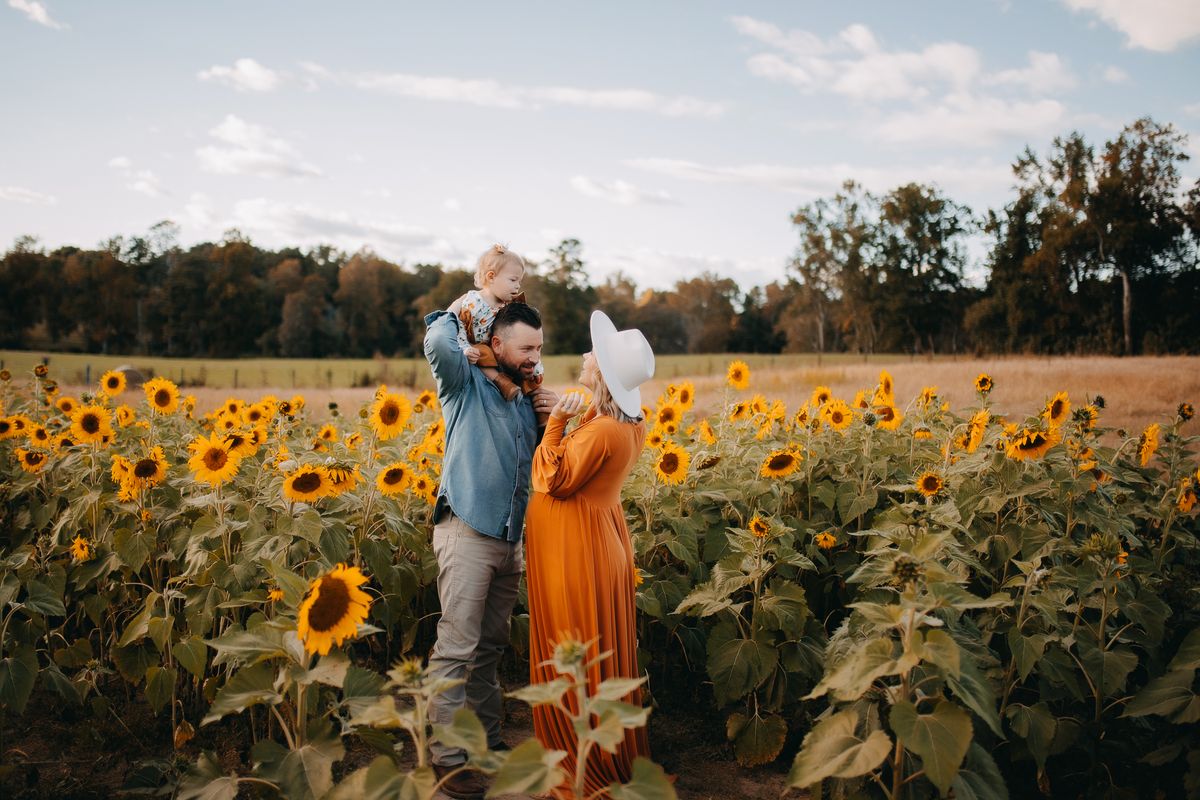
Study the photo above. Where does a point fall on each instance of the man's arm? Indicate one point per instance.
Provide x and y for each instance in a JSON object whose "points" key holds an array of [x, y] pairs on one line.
{"points": [[445, 355]]}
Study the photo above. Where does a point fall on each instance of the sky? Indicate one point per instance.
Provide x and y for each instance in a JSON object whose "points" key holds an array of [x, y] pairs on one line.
{"points": [[670, 137]]}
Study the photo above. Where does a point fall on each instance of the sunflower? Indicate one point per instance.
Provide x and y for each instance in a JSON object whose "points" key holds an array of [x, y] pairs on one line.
{"points": [[685, 396], [738, 375], [7, 429], [112, 383], [930, 483], [233, 407], [328, 433], [353, 440], [256, 438], [298, 402], [275, 595], [671, 463], [885, 385], [389, 415], [1186, 412], [976, 428], [928, 396], [1057, 410], [427, 399], [66, 405], [343, 479], [739, 411], [241, 444], [307, 484], [1187, 496], [1031, 443], [655, 438], [333, 609], [801, 418], [424, 487], [1148, 444], [20, 424], [212, 460], [780, 464], [81, 550], [226, 423], [888, 416], [285, 408], [125, 415], [91, 424], [394, 478], [922, 433], [31, 461], [667, 414], [820, 396], [758, 404], [984, 383], [149, 471], [836, 415], [162, 395], [759, 527], [38, 436], [41, 370], [257, 413], [825, 540], [706, 433], [860, 400], [62, 441]]}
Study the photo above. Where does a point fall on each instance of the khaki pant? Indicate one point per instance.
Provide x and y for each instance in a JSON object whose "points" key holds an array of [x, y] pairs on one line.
{"points": [[477, 585]]}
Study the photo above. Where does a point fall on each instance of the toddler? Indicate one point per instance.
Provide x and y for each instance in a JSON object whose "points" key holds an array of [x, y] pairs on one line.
{"points": [[498, 282]]}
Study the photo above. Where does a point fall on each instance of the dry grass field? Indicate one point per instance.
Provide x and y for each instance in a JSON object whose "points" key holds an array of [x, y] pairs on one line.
{"points": [[1137, 391]]}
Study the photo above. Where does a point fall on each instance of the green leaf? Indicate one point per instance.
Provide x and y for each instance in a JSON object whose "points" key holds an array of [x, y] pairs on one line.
{"points": [[648, 782], [61, 684], [1027, 650], [539, 694], [132, 546], [940, 648], [756, 740], [133, 661], [42, 599], [1037, 726], [191, 655], [330, 670], [1165, 695], [237, 646], [465, 731], [529, 769], [833, 750], [17, 675], [205, 781], [1188, 656], [941, 738], [1108, 669], [75, 656], [979, 778], [784, 607], [972, 689], [307, 772], [160, 686], [617, 688], [738, 666], [380, 780], [249, 686], [857, 670]]}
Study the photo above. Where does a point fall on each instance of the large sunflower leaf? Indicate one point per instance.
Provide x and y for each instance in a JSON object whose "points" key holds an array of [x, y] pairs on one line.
{"points": [[833, 750], [940, 738]]}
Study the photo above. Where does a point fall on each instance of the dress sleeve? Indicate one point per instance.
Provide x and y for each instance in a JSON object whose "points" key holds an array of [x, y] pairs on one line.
{"points": [[561, 469]]}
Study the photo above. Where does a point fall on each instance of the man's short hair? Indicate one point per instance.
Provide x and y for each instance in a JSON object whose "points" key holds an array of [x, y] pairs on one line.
{"points": [[511, 314]]}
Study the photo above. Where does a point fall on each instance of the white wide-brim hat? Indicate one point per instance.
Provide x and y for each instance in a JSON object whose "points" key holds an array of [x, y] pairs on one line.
{"points": [[625, 361]]}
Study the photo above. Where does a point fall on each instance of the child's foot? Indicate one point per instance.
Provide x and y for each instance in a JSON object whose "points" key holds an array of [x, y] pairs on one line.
{"points": [[508, 389]]}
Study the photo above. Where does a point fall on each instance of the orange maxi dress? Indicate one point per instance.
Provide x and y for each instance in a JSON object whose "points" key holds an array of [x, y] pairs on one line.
{"points": [[580, 574]]}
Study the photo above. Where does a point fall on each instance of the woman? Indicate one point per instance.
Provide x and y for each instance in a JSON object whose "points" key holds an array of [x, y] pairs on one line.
{"points": [[579, 561]]}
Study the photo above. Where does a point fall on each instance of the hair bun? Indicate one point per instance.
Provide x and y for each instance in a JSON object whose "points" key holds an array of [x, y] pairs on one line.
{"points": [[499, 249]]}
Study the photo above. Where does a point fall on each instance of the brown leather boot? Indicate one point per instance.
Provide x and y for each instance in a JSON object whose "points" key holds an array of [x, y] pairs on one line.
{"points": [[467, 784], [508, 389]]}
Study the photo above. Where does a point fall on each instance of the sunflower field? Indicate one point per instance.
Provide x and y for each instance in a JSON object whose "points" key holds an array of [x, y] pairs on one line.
{"points": [[903, 599]]}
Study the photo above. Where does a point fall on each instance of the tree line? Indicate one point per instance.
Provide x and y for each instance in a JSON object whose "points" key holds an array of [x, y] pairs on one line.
{"points": [[1096, 253]]}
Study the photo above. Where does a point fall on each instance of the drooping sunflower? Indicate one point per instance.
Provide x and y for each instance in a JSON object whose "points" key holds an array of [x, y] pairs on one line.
{"points": [[389, 414], [671, 464], [1187, 497], [888, 417], [81, 550], [393, 479], [1185, 412], [112, 383], [820, 396], [241, 443], [307, 484], [930, 483], [706, 433], [66, 405], [837, 415], [353, 440], [1031, 443], [343, 478], [32, 461], [984, 383], [759, 527], [91, 424], [976, 428], [1148, 444], [149, 471], [212, 461], [333, 609], [738, 374], [922, 433], [162, 395], [1057, 410], [780, 464]]}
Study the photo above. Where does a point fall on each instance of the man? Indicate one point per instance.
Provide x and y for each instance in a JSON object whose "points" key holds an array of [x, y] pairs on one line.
{"points": [[478, 519]]}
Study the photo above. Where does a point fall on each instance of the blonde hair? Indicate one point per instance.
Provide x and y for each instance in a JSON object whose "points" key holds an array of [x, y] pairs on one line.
{"points": [[494, 259], [603, 402]]}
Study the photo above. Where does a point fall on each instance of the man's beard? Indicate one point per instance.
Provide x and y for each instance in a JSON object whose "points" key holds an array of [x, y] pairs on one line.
{"points": [[513, 371]]}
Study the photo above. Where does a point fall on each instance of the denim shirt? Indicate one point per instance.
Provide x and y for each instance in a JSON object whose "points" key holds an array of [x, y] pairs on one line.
{"points": [[489, 441]]}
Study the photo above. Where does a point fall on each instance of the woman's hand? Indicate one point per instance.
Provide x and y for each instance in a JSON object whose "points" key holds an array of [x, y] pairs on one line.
{"points": [[570, 404]]}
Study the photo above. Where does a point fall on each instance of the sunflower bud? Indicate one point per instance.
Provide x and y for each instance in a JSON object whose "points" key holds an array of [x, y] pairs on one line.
{"points": [[1099, 401]]}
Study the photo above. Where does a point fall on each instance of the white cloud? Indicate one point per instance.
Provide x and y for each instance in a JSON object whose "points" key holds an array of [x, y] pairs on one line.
{"points": [[142, 181], [378, 194], [620, 192], [1116, 75], [1159, 25], [495, 94], [248, 149], [120, 162], [1192, 109], [452, 204], [1046, 74], [246, 75], [36, 12], [20, 194], [812, 181], [972, 120]]}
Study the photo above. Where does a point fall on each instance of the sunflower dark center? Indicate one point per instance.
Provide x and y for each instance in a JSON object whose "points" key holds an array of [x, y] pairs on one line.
{"points": [[33, 459], [235, 440], [162, 398], [389, 413], [5, 426], [1056, 408], [308, 482], [886, 414], [393, 476], [780, 461], [113, 383], [90, 423], [930, 483], [836, 417], [331, 605], [145, 468], [215, 458], [669, 463]]}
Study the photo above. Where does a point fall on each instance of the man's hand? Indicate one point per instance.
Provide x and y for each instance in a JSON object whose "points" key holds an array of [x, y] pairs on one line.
{"points": [[569, 405], [472, 353], [544, 400]]}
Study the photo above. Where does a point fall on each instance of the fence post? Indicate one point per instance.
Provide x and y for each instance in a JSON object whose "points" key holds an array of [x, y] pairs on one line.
{"points": [[235, 377], [87, 373]]}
